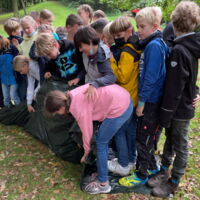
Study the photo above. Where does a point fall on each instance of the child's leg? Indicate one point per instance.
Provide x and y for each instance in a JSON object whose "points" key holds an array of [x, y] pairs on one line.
{"points": [[6, 94], [13, 94]]}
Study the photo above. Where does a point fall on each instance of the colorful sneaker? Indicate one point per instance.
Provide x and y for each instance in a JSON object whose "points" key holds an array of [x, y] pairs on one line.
{"points": [[153, 172], [115, 167], [132, 180], [96, 188]]}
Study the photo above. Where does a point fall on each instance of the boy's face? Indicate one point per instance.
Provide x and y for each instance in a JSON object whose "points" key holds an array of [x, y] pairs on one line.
{"points": [[145, 29], [24, 69], [28, 28], [88, 49], [16, 32], [47, 21], [53, 54], [72, 29]]}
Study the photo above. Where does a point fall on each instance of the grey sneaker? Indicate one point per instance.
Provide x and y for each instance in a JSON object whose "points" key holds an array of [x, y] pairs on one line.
{"points": [[115, 167], [96, 188], [157, 179]]}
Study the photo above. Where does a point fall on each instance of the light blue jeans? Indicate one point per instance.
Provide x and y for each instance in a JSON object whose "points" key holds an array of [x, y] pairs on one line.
{"points": [[110, 127], [10, 93]]}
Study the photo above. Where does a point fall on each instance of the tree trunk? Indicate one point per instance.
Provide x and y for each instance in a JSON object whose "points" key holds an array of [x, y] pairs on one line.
{"points": [[15, 8]]}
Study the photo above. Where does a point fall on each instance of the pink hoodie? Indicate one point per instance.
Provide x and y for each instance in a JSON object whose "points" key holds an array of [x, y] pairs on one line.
{"points": [[111, 102]]}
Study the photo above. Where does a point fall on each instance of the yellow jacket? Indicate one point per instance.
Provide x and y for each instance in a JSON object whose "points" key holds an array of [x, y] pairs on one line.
{"points": [[126, 72]]}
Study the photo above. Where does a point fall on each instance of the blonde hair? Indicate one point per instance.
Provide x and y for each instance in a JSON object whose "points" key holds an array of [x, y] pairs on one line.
{"points": [[46, 14], [28, 19], [87, 8], [120, 24], [44, 44], [4, 43], [186, 16], [42, 28], [106, 30], [11, 25], [18, 62], [151, 15]]}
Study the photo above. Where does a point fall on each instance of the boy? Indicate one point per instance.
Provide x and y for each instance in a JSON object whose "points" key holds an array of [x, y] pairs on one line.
{"points": [[151, 81], [126, 71], [177, 106], [31, 69], [61, 54], [73, 23]]}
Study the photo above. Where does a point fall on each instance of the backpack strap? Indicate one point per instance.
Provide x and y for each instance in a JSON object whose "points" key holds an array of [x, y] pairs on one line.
{"points": [[132, 52]]}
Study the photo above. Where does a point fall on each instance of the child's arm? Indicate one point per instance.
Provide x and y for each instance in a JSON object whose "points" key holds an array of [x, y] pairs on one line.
{"points": [[30, 92], [176, 78]]}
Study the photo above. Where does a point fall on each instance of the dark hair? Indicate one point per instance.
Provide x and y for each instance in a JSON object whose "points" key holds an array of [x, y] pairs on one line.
{"points": [[99, 14], [73, 19], [86, 35], [99, 25], [56, 99]]}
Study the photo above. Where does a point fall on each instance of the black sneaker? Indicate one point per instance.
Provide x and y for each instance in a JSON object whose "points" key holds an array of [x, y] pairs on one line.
{"points": [[157, 179], [165, 190]]}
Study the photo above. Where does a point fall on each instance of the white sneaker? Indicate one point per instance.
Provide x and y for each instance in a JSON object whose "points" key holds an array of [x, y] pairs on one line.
{"points": [[131, 166], [115, 167]]}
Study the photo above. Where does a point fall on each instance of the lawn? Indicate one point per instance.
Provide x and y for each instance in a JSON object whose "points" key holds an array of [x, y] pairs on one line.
{"points": [[29, 170]]}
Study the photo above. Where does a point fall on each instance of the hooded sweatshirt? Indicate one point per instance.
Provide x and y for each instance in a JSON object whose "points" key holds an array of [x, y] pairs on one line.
{"points": [[180, 85]]}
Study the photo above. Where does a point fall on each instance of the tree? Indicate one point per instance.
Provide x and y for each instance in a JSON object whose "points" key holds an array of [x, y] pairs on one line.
{"points": [[15, 8]]}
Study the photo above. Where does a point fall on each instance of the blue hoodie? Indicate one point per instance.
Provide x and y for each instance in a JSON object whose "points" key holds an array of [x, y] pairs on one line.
{"points": [[152, 70]]}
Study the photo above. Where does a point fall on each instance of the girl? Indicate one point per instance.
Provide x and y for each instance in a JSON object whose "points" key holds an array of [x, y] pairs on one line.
{"points": [[86, 13], [8, 82], [112, 106]]}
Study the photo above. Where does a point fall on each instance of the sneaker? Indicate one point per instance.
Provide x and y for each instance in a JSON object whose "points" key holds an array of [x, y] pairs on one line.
{"points": [[131, 166], [115, 167], [132, 180], [153, 172], [157, 179], [96, 188], [166, 189]]}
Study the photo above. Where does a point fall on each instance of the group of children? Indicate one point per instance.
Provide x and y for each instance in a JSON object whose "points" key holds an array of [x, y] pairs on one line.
{"points": [[133, 83]]}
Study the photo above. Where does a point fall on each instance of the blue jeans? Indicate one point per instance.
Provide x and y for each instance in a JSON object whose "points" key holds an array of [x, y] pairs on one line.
{"points": [[10, 93], [107, 130]]}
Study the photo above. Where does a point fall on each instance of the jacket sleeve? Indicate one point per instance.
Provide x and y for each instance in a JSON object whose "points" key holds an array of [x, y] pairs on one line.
{"points": [[108, 76], [176, 78], [123, 70], [153, 62]]}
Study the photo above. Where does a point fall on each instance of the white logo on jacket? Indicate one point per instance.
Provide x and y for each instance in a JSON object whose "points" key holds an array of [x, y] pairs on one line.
{"points": [[174, 63]]}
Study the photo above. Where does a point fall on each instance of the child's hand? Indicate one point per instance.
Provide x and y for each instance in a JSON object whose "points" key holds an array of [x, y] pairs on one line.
{"points": [[47, 75], [91, 92], [139, 111], [15, 42], [30, 108], [84, 157], [196, 100], [74, 81]]}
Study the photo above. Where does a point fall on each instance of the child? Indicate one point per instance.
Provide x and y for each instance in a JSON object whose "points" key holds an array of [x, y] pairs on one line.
{"points": [[112, 106], [22, 65], [107, 36], [95, 55], [73, 23], [98, 14], [61, 54], [46, 17], [61, 32], [177, 106], [126, 71], [85, 12], [151, 81], [12, 28], [8, 82], [36, 16]]}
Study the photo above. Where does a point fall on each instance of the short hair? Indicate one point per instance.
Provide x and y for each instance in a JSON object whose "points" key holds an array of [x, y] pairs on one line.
{"points": [[35, 15], [4, 43], [44, 27], [186, 16], [120, 24], [27, 19], [18, 61], [86, 35], [44, 44], [87, 8], [73, 19], [106, 30], [11, 25], [99, 14], [46, 14], [99, 25], [150, 15]]}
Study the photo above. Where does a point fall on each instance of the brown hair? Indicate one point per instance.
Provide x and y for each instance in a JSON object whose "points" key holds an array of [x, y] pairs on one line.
{"points": [[56, 99], [42, 28], [46, 14], [119, 25], [186, 17], [4, 43], [35, 15], [11, 25], [87, 8], [73, 19], [18, 62], [99, 14]]}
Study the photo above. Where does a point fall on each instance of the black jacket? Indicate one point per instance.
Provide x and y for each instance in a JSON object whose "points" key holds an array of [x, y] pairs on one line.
{"points": [[180, 84]]}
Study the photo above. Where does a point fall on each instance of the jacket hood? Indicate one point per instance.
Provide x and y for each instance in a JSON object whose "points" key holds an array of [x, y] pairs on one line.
{"points": [[191, 41]]}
